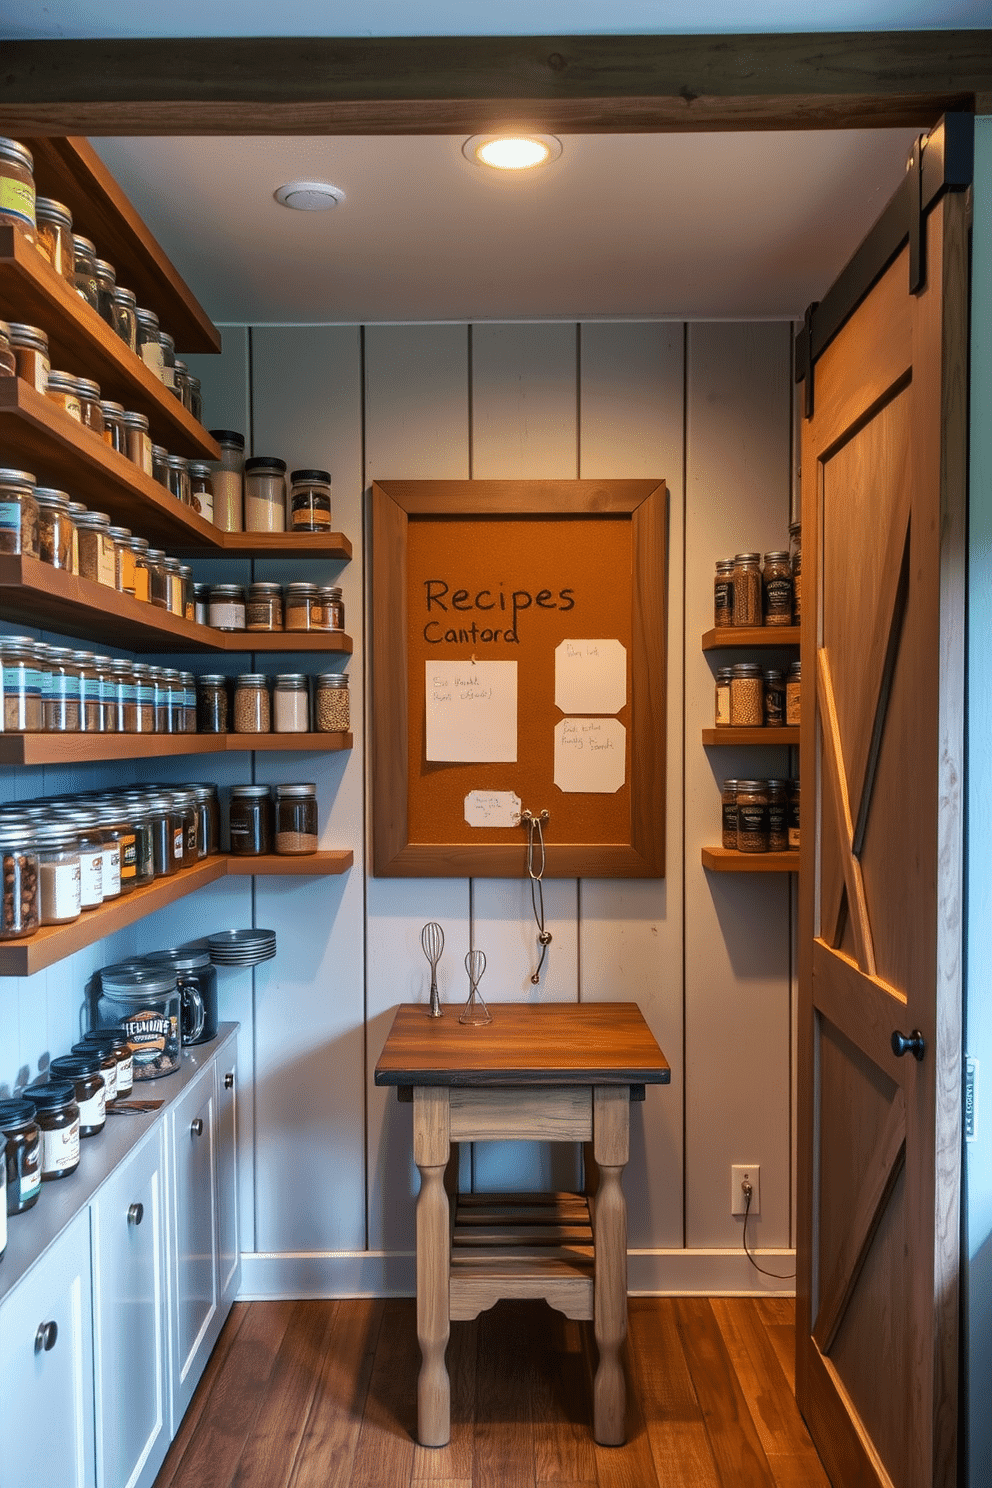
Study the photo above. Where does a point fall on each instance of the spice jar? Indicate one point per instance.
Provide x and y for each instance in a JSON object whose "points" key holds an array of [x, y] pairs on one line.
{"points": [[107, 1067], [186, 588], [168, 830], [174, 585], [774, 698], [167, 346], [747, 695], [721, 711], [139, 445], [90, 412], [58, 872], [91, 1092], [8, 361], [290, 703], [264, 608], [752, 816], [252, 709], [90, 693], [776, 582], [125, 316], [143, 1003], [20, 908], [778, 815], [22, 678], [114, 433], [18, 513], [330, 607], [62, 693], [211, 704], [158, 579], [84, 275], [226, 607], [728, 798], [723, 593], [265, 494], [110, 846], [18, 1122], [796, 564], [133, 848], [300, 604], [296, 818], [208, 809], [184, 804], [142, 571], [228, 480], [196, 398], [97, 553], [106, 284], [331, 703], [144, 698], [177, 472], [747, 589], [124, 559], [149, 347], [201, 492], [30, 347], [17, 193], [160, 465], [794, 815], [793, 691], [180, 385], [54, 229], [201, 604], [250, 820], [116, 1044], [62, 390], [57, 1116], [310, 500]]}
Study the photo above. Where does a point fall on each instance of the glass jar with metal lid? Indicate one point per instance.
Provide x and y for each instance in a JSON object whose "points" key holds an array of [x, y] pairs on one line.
{"points": [[310, 500], [58, 872], [123, 821], [252, 706], [211, 703], [774, 698], [172, 569], [728, 801], [265, 494], [143, 1003], [125, 559], [155, 674], [796, 564], [90, 412], [107, 1066], [201, 604], [186, 592], [331, 703], [208, 810], [91, 1091], [721, 710], [63, 391], [158, 579], [201, 492], [189, 702], [53, 223], [18, 513], [168, 349], [84, 271], [167, 829], [19, 1124], [776, 580], [114, 1042], [747, 589], [174, 699], [113, 425], [121, 700], [106, 284], [752, 816], [330, 606], [723, 593], [144, 697], [778, 815], [17, 193], [264, 608], [76, 508], [8, 361], [30, 347], [90, 693], [20, 908], [180, 383], [125, 322], [299, 605], [160, 465], [142, 572], [250, 820], [148, 345], [90, 840], [196, 979], [226, 607], [793, 695], [22, 679], [747, 695], [296, 818], [139, 445], [184, 801], [97, 553], [228, 480], [290, 703], [178, 477], [57, 1115], [196, 398], [62, 690]]}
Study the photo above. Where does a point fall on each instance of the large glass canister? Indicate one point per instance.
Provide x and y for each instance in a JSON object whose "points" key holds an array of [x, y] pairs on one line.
{"points": [[22, 678], [197, 980], [18, 513], [21, 906], [296, 818], [143, 1002], [265, 494], [228, 480], [54, 229], [17, 193]]}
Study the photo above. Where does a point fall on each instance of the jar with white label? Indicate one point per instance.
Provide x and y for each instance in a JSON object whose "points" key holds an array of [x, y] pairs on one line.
{"points": [[226, 607], [107, 1065], [721, 713], [114, 1041], [310, 500], [149, 347], [139, 444], [90, 840], [18, 513], [142, 1002], [265, 494], [290, 703], [97, 554], [29, 344], [201, 491], [91, 1090], [19, 1124], [58, 872], [228, 480], [57, 1115]]}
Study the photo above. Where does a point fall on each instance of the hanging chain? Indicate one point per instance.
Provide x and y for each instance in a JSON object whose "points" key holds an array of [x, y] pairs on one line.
{"points": [[535, 828]]}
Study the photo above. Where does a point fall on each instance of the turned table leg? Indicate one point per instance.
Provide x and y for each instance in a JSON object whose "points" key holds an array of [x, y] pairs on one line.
{"points": [[611, 1124], [431, 1147]]}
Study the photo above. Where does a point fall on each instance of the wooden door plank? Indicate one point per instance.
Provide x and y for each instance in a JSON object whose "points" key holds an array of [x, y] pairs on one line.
{"points": [[736, 1446], [865, 1009], [834, 766], [326, 1452]]}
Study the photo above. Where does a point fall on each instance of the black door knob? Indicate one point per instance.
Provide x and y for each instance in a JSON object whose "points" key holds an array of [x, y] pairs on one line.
{"points": [[911, 1043], [45, 1338]]}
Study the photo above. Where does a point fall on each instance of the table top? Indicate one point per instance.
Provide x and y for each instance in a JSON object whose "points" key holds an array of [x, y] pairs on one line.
{"points": [[551, 1043]]}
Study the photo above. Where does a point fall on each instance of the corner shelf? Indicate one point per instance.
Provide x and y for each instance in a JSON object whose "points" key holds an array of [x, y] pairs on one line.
{"points": [[729, 860], [325, 864], [725, 636], [77, 749], [789, 735]]}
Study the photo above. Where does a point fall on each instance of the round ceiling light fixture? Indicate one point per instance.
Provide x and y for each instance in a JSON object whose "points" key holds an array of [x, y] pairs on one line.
{"points": [[308, 196], [512, 152]]}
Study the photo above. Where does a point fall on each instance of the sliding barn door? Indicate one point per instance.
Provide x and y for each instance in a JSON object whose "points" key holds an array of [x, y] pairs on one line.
{"points": [[883, 508]]}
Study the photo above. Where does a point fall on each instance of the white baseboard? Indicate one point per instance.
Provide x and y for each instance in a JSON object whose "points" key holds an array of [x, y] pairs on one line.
{"points": [[650, 1273]]}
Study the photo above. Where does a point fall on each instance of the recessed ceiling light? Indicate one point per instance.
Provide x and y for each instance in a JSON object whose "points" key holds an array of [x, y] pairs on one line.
{"points": [[308, 196], [512, 151]]}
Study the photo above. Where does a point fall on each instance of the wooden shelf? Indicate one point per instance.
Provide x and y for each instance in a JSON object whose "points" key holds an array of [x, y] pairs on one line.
{"points": [[304, 743], [55, 942], [77, 749], [750, 635], [728, 860], [274, 545], [751, 735], [82, 343]]}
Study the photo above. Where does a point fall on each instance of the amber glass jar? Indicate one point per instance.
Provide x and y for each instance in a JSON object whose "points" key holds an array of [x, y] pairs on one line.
{"points": [[54, 228], [138, 443], [264, 608], [299, 607], [117, 1045], [57, 1115], [55, 528], [18, 1122], [91, 1090], [63, 391], [107, 1066], [84, 274], [90, 412]]}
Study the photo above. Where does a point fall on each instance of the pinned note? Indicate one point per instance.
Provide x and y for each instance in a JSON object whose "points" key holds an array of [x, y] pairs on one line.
{"points": [[590, 676], [471, 710], [492, 809], [590, 755]]}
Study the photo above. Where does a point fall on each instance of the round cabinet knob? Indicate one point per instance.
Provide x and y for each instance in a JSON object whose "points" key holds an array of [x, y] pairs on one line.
{"points": [[45, 1338], [135, 1214], [196, 1127], [908, 1043], [229, 1080]]}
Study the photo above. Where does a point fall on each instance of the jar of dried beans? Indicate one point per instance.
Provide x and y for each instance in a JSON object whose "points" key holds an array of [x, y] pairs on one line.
{"points": [[723, 593], [296, 818], [747, 589], [752, 816], [331, 703], [747, 695], [728, 800], [777, 589], [252, 707], [20, 908]]}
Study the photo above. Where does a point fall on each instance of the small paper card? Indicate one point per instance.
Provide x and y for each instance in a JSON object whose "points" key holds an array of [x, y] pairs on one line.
{"points": [[471, 710], [590, 755], [492, 809], [590, 676]]}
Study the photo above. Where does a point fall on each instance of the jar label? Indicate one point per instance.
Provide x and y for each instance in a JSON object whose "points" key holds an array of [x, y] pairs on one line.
{"points": [[90, 879], [106, 563], [722, 705], [10, 516], [129, 857], [60, 891], [147, 1033], [111, 870], [30, 1171], [778, 597], [178, 838], [93, 1112], [60, 1148], [125, 1075], [17, 199]]}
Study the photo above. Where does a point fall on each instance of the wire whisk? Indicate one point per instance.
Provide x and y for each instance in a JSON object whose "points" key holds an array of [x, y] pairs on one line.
{"points": [[475, 1010], [432, 940]]}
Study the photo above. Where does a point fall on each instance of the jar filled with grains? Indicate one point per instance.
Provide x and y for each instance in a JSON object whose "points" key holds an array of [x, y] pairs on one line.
{"points": [[774, 698], [331, 703], [300, 603], [796, 564], [18, 513], [250, 820], [211, 704], [290, 703], [186, 592], [747, 695], [252, 705], [63, 391], [142, 572], [228, 480], [331, 607], [721, 712], [84, 272], [54, 225], [120, 683], [794, 815], [90, 693], [296, 818], [58, 872], [778, 815], [777, 589], [139, 444], [226, 607], [310, 501], [793, 691], [747, 589], [20, 912], [263, 610], [723, 593], [144, 698], [17, 193], [752, 816], [728, 800], [62, 691], [30, 347], [124, 559], [265, 494], [113, 425], [55, 528], [22, 679]]}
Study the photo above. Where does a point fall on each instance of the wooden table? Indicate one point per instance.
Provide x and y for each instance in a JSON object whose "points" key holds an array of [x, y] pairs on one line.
{"points": [[552, 1072]]}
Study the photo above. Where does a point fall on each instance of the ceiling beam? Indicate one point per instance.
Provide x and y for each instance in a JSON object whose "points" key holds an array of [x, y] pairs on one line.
{"points": [[441, 85]]}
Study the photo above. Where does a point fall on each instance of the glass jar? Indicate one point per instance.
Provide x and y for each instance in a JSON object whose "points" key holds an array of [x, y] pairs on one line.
{"points": [[143, 1003], [723, 593], [250, 820], [196, 398], [186, 589], [174, 585], [752, 816], [144, 698], [776, 583], [793, 695], [201, 492], [84, 276], [124, 559], [17, 193], [265, 494], [63, 391], [148, 345], [91, 1091], [184, 804], [290, 704], [8, 361], [18, 513], [796, 564], [57, 1116], [196, 977], [90, 693], [201, 604], [264, 608], [252, 707], [158, 579], [142, 571], [211, 704], [54, 228], [133, 847], [747, 695], [122, 696], [208, 810], [114, 1041], [778, 815], [774, 698], [110, 847], [296, 818], [228, 480], [34, 361], [97, 553], [175, 701], [125, 316], [107, 1066], [331, 703], [793, 815], [114, 433], [180, 385], [18, 1122], [58, 872], [747, 589], [226, 607], [160, 465], [168, 833], [62, 690], [310, 501], [90, 412], [330, 607], [20, 914], [728, 800], [300, 604], [178, 478], [721, 711], [106, 284], [22, 678], [167, 346], [139, 445]]}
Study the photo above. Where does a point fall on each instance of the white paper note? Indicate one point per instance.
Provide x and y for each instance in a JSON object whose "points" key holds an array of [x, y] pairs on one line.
{"points": [[492, 809], [590, 755], [590, 676], [471, 710]]}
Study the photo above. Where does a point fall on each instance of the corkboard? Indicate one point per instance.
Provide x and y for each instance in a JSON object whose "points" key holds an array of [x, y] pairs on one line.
{"points": [[505, 571]]}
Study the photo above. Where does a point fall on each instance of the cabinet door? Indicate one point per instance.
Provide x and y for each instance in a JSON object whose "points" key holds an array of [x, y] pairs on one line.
{"points": [[227, 1178], [46, 1399], [129, 1291], [195, 1232]]}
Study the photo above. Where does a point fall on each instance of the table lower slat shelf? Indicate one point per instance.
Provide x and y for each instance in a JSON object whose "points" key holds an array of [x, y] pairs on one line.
{"points": [[516, 1252]]}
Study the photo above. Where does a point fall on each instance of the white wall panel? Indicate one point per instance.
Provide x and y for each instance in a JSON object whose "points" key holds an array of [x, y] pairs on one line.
{"points": [[224, 382]]}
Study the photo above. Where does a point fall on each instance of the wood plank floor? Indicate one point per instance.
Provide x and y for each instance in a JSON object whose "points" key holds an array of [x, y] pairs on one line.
{"points": [[323, 1395]]}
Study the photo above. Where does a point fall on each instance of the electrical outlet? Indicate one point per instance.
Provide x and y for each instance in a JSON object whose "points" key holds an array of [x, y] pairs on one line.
{"points": [[742, 1173]]}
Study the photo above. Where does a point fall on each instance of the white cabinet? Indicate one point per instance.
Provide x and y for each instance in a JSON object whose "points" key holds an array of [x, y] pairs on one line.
{"points": [[228, 1235], [193, 1123], [46, 1399]]}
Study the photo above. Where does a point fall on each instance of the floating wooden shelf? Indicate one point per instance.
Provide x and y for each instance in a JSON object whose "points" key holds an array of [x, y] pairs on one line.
{"points": [[82, 343], [750, 635], [306, 743], [751, 735], [55, 942], [77, 749], [728, 860], [273, 545]]}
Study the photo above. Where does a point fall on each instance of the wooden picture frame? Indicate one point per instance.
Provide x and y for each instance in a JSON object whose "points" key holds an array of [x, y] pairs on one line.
{"points": [[625, 836]]}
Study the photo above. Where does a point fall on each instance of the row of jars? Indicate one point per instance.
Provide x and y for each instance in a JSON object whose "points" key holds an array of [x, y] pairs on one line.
{"points": [[267, 607], [64, 855], [252, 703], [251, 496], [55, 689], [749, 695], [761, 815], [747, 593], [279, 818]]}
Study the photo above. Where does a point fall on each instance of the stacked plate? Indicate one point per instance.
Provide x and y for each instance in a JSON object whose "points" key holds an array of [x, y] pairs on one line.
{"points": [[241, 947]]}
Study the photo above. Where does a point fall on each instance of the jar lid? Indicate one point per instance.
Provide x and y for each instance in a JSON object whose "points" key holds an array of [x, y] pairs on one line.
{"points": [[264, 587], [167, 340], [249, 792], [84, 245], [724, 565], [19, 834], [746, 669], [331, 591], [139, 545], [752, 787], [103, 1038], [55, 834], [200, 469], [12, 149], [126, 297], [286, 680], [731, 784], [332, 679], [211, 679], [22, 334], [777, 784], [64, 382], [265, 462], [155, 555], [15, 1113], [228, 436], [49, 496], [135, 983], [16, 642], [176, 462], [105, 269], [724, 674], [92, 519], [795, 528], [135, 420], [251, 679], [76, 1064], [225, 591], [782, 557], [183, 958], [301, 590], [302, 788], [747, 558], [123, 534], [49, 1097], [44, 206], [90, 388], [17, 478], [795, 669], [318, 477]]}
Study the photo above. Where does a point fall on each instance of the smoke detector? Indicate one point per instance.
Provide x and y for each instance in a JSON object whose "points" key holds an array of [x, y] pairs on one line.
{"points": [[308, 196]]}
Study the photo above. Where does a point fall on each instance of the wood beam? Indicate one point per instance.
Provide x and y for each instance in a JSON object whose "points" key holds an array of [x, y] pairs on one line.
{"points": [[457, 84]]}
